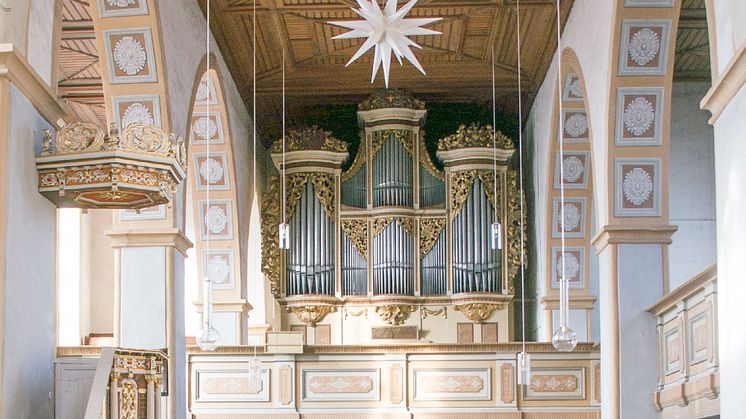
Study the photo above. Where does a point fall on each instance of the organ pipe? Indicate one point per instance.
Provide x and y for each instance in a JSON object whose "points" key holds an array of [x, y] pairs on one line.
{"points": [[476, 266], [433, 268], [310, 260], [393, 175], [393, 261]]}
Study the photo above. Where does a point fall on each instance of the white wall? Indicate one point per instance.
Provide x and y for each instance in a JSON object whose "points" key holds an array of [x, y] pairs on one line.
{"points": [[691, 190], [730, 176], [30, 306]]}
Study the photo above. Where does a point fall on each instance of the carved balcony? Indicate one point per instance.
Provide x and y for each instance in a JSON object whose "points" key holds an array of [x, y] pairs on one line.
{"points": [[84, 167]]}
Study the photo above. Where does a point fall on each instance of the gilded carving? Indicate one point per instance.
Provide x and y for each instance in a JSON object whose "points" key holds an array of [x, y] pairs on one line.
{"points": [[426, 312], [128, 399], [395, 314], [323, 185], [461, 183], [379, 138], [407, 224], [270, 210], [427, 162], [430, 229], [356, 164], [78, 137], [514, 229], [310, 138], [380, 224], [294, 187], [311, 315], [391, 98], [67, 163], [357, 232], [475, 136], [477, 312]]}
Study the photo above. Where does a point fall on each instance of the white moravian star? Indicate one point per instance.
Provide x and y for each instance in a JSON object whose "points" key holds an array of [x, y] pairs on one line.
{"points": [[387, 30]]}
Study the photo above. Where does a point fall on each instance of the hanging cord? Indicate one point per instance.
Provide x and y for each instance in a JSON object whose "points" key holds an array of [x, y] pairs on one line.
{"points": [[283, 140], [520, 177], [208, 287], [494, 136], [564, 300], [253, 116]]}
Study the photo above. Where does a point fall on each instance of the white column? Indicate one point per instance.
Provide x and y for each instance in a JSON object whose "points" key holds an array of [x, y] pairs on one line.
{"points": [[633, 271]]}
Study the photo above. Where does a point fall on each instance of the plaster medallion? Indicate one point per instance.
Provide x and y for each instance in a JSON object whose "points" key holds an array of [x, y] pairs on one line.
{"points": [[639, 116], [576, 125], [572, 266], [216, 220], [572, 169], [121, 3], [643, 46], [637, 186], [205, 128], [575, 88], [137, 113], [129, 55], [211, 170], [571, 216], [218, 269]]}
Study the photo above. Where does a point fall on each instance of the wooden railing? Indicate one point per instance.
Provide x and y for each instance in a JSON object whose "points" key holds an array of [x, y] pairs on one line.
{"points": [[688, 383]]}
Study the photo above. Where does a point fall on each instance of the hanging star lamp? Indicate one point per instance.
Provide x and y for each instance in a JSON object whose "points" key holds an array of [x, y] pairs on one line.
{"points": [[388, 31]]}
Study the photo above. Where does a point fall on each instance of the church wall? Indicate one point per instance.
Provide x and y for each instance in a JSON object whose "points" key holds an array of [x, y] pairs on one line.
{"points": [[184, 50], [730, 175], [30, 299], [691, 185], [594, 59], [41, 24], [97, 272]]}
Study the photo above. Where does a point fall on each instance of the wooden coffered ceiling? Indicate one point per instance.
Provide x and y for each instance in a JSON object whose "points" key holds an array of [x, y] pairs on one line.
{"points": [[457, 62]]}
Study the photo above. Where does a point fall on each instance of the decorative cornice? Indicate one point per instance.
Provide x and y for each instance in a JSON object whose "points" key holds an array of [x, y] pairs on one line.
{"points": [[727, 86], [413, 348], [580, 302], [169, 237], [631, 234], [685, 291], [16, 69]]}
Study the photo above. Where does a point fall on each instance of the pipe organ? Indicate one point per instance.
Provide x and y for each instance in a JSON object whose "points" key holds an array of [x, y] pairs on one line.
{"points": [[393, 233]]}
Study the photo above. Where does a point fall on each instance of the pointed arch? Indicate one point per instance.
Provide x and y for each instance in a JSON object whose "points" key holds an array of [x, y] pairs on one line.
{"points": [[578, 206], [220, 258]]}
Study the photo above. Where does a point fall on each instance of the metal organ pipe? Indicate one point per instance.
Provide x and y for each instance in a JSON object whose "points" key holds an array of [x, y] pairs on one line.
{"points": [[475, 264], [309, 261]]}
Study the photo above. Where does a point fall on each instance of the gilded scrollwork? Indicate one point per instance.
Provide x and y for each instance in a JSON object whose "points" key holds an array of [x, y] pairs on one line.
{"points": [[391, 98], [407, 224], [430, 229], [323, 185], [270, 210], [356, 164], [426, 312], [357, 232], [310, 315], [380, 224], [514, 229], [461, 183], [150, 139], [477, 312], [128, 398], [475, 136], [310, 138], [79, 137], [426, 161], [395, 314], [379, 138], [487, 178]]}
